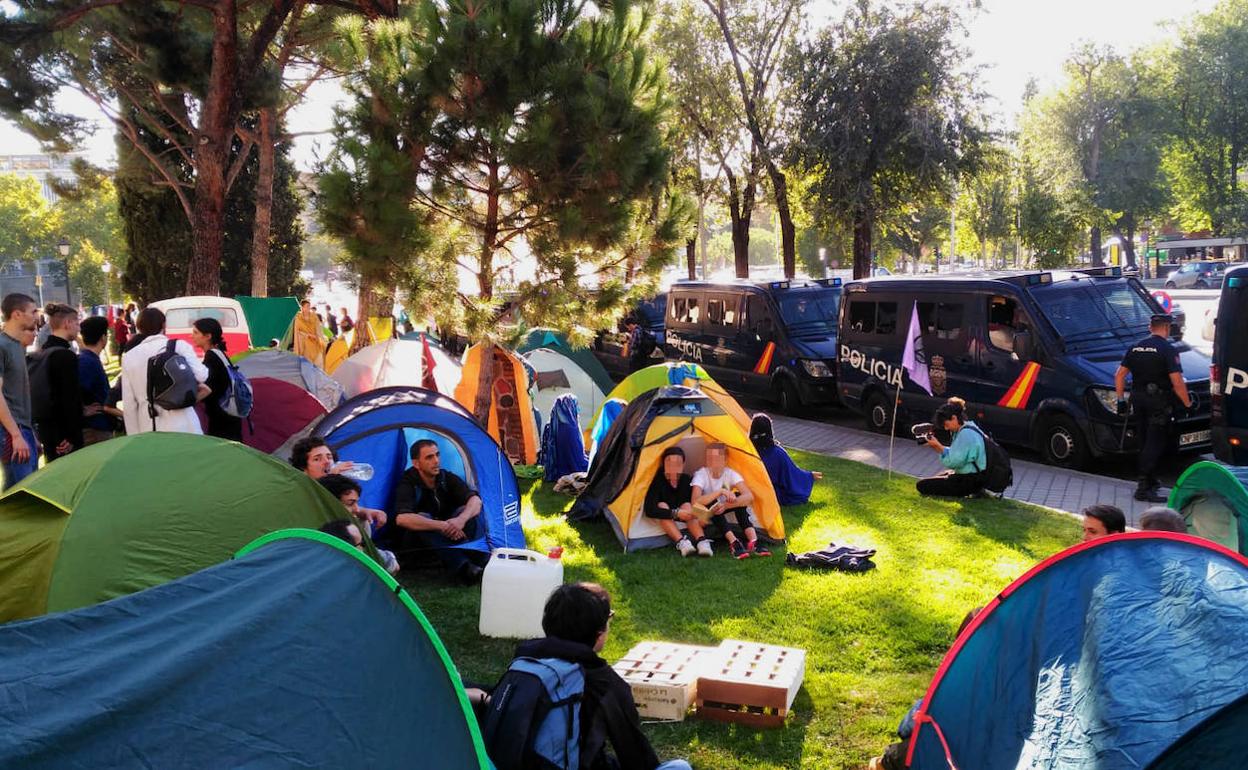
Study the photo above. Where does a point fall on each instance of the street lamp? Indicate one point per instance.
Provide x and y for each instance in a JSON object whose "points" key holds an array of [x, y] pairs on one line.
{"points": [[107, 267], [63, 247], [1148, 225]]}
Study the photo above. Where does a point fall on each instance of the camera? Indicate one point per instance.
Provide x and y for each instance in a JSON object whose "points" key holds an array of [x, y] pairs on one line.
{"points": [[922, 432]]}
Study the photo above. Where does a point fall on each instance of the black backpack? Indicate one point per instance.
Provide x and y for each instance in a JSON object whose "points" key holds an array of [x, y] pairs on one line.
{"points": [[170, 382], [646, 343], [533, 722], [999, 475]]}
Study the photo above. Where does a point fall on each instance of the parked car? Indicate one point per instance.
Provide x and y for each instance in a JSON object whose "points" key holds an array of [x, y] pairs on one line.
{"points": [[1197, 275]]}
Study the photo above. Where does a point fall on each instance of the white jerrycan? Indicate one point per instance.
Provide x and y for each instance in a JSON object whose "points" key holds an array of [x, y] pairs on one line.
{"points": [[514, 590]]}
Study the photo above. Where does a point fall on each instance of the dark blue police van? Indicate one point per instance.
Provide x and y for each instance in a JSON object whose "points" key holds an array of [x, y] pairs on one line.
{"points": [[1229, 372], [774, 339], [1034, 355]]}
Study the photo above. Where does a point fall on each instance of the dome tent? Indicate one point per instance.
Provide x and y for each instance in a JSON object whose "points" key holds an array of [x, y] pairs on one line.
{"points": [[395, 363], [557, 375], [672, 373], [630, 457], [584, 357], [247, 663], [511, 421], [1104, 655], [1214, 502], [381, 426], [139, 511], [290, 395]]}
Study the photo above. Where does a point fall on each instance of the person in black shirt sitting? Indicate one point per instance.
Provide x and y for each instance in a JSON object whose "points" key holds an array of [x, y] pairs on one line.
{"points": [[436, 509], [670, 499]]}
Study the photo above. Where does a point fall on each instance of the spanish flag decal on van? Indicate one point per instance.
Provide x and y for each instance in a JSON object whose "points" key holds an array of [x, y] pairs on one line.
{"points": [[1019, 393], [764, 361]]}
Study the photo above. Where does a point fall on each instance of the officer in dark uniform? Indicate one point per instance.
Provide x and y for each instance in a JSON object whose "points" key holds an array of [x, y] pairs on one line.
{"points": [[1156, 381]]}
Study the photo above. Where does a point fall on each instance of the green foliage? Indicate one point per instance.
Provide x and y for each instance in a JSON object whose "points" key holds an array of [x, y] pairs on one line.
{"points": [[872, 641], [885, 115], [762, 248], [89, 220], [915, 227], [27, 223]]}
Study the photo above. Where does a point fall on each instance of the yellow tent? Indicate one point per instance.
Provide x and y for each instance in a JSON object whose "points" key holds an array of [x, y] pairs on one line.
{"points": [[511, 421], [337, 352], [622, 473]]}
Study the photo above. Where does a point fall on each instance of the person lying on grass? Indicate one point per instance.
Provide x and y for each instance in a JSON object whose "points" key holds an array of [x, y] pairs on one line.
{"points": [[668, 501], [723, 491]]}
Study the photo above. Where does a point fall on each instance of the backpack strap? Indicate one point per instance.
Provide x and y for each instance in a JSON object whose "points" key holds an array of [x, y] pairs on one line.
{"points": [[985, 438]]}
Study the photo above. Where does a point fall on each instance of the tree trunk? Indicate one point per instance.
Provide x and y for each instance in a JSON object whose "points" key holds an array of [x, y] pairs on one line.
{"points": [[373, 303], [691, 258], [701, 233], [1097, 260], [261, 234], [485, 387], [1128, 238], [212, 154], [740, 210], [862, 243], [788, 236]]}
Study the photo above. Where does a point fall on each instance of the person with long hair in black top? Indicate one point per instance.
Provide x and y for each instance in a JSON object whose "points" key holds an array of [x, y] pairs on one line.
{"points": [[207, 335]]}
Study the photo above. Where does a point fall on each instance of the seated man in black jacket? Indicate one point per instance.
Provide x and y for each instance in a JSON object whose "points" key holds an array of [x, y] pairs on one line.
{"points": [[436, 509], [577, 619]]}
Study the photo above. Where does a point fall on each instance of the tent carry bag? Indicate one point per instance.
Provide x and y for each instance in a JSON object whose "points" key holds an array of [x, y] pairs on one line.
{"points": [[170, 382], [533, 722]]}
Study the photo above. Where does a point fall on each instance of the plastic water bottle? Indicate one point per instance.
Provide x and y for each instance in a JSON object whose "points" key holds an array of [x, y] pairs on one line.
{"points": [[359, 472]]}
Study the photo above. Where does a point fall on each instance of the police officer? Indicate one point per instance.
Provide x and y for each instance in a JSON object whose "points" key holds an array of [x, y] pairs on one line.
{"points": [[1156, 379]]}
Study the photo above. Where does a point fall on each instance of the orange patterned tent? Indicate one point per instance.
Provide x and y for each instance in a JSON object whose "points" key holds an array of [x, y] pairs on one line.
{"points": [[511, 422]]}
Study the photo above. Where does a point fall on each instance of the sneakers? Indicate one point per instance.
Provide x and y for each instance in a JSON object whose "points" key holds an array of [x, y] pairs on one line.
{"points": [[739, 551], [704, 547], [758, 549], [684, 546]]}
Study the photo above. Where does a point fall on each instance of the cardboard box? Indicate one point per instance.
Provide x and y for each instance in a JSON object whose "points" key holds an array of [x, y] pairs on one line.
{"points": [[752, 684], [664, 677]]}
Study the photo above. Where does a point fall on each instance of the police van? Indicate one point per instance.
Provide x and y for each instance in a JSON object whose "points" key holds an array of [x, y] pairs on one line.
{"points": [[1033, 354], [610, 347], [775, 339], [1229, 372]]}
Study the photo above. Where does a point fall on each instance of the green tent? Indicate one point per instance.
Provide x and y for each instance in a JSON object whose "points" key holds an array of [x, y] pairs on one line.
{"points": [[1214, 502], [139, 511], [584, 357], [268, 317]]}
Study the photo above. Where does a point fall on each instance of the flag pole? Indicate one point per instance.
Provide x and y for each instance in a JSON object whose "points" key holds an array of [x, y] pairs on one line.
{"points": [[892, 433]]}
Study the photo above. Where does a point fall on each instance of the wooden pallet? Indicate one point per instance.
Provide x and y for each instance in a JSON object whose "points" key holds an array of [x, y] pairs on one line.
{"points": [[751, 684], [664, 676]]}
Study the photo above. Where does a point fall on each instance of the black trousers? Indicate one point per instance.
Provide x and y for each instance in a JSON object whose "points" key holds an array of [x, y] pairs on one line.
{"points": [[452, 558], [950, 484], [1152, 426], [743, 520]]}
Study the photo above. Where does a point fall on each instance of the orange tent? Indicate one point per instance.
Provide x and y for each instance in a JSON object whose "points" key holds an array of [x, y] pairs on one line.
{"points": [[511, 422]]}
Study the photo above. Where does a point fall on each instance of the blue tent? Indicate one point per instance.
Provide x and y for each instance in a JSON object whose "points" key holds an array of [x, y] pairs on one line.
{"points": [[606, 417], [379, 428], [300, 652], [563, 448], [1103, 656]]}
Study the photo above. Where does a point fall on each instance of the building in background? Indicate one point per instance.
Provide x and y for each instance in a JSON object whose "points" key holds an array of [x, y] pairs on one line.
{"points": [[48, 169]]}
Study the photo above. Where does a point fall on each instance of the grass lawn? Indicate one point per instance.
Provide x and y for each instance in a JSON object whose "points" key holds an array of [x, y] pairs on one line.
{"points": [[873, 641]]}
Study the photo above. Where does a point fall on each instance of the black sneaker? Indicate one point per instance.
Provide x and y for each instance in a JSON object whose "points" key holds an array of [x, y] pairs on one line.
{"points": [[739, 551], [756, 548]]}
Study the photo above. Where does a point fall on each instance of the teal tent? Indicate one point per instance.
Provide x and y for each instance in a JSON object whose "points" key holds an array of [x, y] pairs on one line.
{"points": [[584, 357], [268, 317], [300, 652]]}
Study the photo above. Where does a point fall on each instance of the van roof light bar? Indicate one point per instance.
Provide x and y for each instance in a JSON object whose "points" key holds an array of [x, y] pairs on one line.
{"points": [[1039, 279]]}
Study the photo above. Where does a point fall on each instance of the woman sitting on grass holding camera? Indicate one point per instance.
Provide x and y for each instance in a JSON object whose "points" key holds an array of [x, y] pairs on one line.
{"points": [[965, 459]]}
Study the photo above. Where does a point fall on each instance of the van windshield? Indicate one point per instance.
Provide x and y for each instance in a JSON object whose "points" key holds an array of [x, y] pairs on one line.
{"points": [[809, 312], [1083, 310]]}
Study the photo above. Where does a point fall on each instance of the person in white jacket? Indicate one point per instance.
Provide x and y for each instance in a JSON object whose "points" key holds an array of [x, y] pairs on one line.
{"points": [[134, 380]]}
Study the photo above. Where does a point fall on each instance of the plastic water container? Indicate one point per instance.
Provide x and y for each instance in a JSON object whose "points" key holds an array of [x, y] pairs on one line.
{"points": [[514, 590]]}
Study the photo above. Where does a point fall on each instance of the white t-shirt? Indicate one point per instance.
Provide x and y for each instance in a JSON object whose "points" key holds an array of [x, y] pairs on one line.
{"points": [[727, 480]]}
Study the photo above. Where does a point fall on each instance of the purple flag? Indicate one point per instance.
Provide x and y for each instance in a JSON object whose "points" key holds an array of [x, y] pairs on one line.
{"points": [[914, 360]]}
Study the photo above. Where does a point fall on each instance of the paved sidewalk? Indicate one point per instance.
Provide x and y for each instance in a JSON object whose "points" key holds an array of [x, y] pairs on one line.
{"points": [[1034, 483]]}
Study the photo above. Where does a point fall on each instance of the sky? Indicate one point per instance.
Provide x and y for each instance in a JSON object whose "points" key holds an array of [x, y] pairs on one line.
{"points": [[1013, 40]]}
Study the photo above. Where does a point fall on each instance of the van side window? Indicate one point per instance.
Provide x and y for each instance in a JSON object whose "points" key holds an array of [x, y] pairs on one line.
{"points": [[886, 318], [685, 310], [722, 311], [862, 317], [943, 319], [1005, 318]]}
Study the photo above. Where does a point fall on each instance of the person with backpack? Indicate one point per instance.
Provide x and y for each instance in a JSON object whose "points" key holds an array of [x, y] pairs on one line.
{"points": [[161, 380], [560, 705], [208, 336], [55, 395], [965, 459]]}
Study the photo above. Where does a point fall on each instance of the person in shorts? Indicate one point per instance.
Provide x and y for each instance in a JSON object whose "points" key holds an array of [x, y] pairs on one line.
{"points": [[723, 491]]}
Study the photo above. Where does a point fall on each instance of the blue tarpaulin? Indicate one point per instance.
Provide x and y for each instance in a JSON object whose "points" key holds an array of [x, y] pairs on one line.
{"points": [[1104, 656], [298, 653], [563, 447]]}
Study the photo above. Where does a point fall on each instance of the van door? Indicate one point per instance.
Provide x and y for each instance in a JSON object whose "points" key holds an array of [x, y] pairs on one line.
{"points": [[1008, 380], [758, 329], [949, 343], [686, 310], [719, 340]]}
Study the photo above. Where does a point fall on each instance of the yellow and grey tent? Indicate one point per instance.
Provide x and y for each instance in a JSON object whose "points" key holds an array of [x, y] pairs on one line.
{"points": [[630, 456]]}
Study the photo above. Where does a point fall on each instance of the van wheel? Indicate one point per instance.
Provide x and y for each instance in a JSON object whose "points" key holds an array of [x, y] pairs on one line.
{"points": [[790, 402], [1170, 284], [879, 413], [1062, 443]]}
